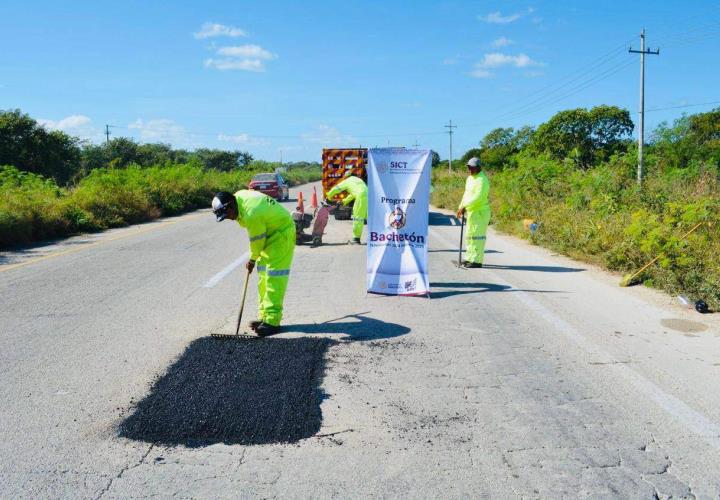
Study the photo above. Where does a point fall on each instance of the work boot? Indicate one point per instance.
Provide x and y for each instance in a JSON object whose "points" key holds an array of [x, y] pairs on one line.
{"points": [[471, 265], [265, 329], [355, 241], [255, 324]]}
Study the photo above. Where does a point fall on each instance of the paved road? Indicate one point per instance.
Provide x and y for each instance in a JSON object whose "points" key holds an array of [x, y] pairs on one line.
{"points": [[533, 377]]}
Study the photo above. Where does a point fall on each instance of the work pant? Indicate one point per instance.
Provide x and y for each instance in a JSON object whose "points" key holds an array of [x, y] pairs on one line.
{"points": [[475, 234], [273, 272], [359, 215]]}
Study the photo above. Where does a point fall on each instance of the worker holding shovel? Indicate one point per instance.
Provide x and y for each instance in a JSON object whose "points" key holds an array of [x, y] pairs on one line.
{"points": [[475, 207], [356, 190], [272, 242]]}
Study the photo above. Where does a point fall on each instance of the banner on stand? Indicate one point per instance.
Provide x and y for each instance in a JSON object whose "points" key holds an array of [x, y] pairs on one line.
{"points": [[398, 211]]}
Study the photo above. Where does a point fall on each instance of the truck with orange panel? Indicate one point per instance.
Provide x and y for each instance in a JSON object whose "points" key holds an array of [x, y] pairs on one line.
{"points": [[336, 164]]}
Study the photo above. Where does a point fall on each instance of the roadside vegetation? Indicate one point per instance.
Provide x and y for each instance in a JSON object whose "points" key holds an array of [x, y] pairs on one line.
{"points": [[52, 185], [575, 176]]}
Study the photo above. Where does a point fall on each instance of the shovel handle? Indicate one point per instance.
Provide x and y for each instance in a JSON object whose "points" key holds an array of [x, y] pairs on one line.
{"points": [[637, 273], [242, 302], [462, 230]]}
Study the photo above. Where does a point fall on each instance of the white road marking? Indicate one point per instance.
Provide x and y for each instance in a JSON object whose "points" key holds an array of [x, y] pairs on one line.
{"points": [[230, 268], [692, 419]]}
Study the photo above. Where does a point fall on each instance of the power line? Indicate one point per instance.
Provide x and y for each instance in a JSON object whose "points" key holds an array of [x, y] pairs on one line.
{"points": [[683, 106], [573, 91]]}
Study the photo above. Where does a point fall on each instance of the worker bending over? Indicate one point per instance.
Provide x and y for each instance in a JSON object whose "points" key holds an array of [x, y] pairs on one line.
{"points": [[272, 242], [356, 190], [475, 207]]}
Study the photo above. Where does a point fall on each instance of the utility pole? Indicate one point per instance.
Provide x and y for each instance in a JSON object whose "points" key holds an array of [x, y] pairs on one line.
{"points": [[641, 128], [450, 128], [416, 144], [107, 133], [281, 157]]}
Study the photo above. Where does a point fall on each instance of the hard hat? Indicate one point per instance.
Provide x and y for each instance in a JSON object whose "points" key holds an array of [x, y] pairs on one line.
{"points": [[473, 162], [220, 204]]}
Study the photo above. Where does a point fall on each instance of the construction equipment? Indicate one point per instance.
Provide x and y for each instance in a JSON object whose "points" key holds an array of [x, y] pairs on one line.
{"points": [[238, 335], [318, 220], [338, 164], [629, 279]]}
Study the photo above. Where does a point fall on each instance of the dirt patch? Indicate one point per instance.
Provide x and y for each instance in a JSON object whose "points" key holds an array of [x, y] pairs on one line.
{"points": [[683, 325], [235, 392]]}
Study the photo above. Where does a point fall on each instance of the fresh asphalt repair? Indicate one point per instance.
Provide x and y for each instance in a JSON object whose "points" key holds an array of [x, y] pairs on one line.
{"points": [[245, 393]]}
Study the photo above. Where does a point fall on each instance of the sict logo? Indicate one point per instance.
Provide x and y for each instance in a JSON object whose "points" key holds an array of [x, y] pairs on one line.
{"points": [[398, 164]]}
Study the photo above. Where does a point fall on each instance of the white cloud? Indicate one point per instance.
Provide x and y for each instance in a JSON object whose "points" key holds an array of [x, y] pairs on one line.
{"points": [[502, 42], [449, 61], [68, 123], [498, 18], [210, 30], [481, 73], [246, 52], [255, 65], [327, 135], [77, 125], [496, 59], [241, 57], [534, 74], [244, 139], [160, 130]]}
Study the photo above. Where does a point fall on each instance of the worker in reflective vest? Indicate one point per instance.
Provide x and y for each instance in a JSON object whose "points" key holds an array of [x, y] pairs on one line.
{"points": [[476, 208], [356, 191], [272, 242]]}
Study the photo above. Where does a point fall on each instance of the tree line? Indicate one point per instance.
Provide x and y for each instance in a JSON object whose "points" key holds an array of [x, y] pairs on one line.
{"points": [[27, 145], [590, 137]]}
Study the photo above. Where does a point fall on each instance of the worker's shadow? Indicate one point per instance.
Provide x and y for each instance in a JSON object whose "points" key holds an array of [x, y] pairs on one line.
{"points": [[359, 328], [476, 287], [440, 219], [235, 392]]}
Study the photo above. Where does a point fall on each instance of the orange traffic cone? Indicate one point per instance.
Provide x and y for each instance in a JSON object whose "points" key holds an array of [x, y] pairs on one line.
{"points": [[313, 199], [301, 204]]}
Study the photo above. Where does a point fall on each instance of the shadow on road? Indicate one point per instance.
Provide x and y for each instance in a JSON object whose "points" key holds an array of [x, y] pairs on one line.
{"points": [[359, 328], [440, 219], [455, 250], [15, 254], [235, 392], [542, 269], [476, 287]]}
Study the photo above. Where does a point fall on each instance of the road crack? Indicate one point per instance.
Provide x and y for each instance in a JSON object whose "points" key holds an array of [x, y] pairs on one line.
{"points": [[124, 469]]}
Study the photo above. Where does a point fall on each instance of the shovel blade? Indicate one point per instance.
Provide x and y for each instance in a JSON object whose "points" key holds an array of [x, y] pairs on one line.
{"points": [[239, 336]]}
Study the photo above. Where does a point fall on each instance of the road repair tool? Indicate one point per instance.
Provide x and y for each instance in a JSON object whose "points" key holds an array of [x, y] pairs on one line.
{"points": [[237, 334], [303, 221], [629, 279], [458, 263]]}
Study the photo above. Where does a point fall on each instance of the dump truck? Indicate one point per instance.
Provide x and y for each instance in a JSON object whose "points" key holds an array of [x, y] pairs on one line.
{"points": [[336, 163]]}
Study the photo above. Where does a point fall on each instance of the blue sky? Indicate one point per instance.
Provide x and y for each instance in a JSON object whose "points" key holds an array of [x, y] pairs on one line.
{"points": [[271, 76]]}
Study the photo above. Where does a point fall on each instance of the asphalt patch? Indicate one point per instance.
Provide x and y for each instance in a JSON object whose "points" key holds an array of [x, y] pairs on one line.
{"points": [[235, 392]]}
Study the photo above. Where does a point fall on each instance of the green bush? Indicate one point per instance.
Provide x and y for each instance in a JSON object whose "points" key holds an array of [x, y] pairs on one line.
{"points": [[602, 216], [33, 208]]}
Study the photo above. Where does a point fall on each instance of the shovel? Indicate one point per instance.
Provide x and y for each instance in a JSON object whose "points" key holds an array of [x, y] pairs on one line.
{"points": [[462, 231], [237, 334]]}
